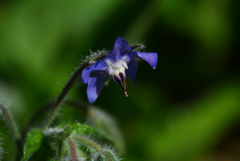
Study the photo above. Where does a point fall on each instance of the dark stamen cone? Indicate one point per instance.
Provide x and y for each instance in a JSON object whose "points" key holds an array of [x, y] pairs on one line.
{"points": [[122, 83]]}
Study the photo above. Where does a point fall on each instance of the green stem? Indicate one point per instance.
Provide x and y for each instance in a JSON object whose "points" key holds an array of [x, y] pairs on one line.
{"points": [[77, 104], [64, 135], [35, 116], [10, 123], [91, 144], [61, 97], [13, 128]]}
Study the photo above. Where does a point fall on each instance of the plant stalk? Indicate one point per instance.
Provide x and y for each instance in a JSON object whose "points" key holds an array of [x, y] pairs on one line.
{"points": [[61, 97], [72, 149], [10, 123]]}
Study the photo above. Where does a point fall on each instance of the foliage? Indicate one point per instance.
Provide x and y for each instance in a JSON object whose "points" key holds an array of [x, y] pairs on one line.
{"points": [[70, 142], [32, 144]]}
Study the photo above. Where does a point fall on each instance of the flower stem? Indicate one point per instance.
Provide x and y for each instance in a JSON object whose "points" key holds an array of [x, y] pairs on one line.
{"points": [[77, 104], [13, 128], [62, 96], [10, 123], [64, 135]]}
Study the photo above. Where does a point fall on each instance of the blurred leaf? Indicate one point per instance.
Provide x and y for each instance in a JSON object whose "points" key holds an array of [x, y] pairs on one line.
{"points": [[207, 122], [32, 144], [143, 24], [97, 151], [106, 125]]}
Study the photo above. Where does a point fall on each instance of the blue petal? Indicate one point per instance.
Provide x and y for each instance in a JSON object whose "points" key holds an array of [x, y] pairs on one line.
{"points": [[95, 85], [132, 70], [122, 44], [120, 49], [100, 65], [151, 58]]}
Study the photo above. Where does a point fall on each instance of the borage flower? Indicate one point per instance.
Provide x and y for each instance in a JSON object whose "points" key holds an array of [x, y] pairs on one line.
{"points": [[116, 64]]}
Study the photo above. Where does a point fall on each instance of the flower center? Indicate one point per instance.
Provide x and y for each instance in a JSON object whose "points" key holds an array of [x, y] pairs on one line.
{"points": [[115, 68], [117, 71]]}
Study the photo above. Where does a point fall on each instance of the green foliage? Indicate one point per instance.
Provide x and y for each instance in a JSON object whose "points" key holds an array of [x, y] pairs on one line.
{"points": [[79, 132], [33, 143], [106, 125], [97, 151], [80, 129], [64, 140]]}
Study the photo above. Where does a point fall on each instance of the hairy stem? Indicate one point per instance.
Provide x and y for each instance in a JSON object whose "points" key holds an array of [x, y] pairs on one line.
{"points": [[91, 144], [13, 128], [77, 104], [64, 135], [62, 96], [72, 149], [10, 123], [35, 116]]}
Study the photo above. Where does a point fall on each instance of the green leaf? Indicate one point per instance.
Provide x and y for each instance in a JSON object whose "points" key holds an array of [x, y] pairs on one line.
{"points": [[63, 131], [33, 143], [82, 129]]}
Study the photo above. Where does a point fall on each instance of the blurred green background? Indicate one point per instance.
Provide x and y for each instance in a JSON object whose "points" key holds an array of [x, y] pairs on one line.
{"points": [[188, 109]]}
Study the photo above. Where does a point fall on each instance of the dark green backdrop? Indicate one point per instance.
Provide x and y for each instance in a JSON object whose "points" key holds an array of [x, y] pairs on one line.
{"points": [[187, 109]]}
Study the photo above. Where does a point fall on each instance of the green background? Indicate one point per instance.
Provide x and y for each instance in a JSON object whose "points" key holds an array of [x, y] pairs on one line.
{"points": [[187, 109]]}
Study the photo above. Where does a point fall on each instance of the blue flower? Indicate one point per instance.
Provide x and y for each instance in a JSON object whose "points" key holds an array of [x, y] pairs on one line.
{"points": [[116, 64]]}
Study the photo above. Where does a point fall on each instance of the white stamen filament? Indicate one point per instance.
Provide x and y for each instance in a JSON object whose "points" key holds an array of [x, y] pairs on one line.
{"points": [[124, 64], [114, 69]]}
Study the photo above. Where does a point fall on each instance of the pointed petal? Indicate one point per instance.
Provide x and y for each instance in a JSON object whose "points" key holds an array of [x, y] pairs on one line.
{"points": [[95, 85], [121, 43], [120, 49], [100, 65], [132, 70], [151, 58]]}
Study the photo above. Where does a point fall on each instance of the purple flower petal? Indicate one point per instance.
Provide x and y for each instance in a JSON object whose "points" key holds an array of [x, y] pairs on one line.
{"points": [[95, 85], [122, 44], [132, 70], [120, 49], [151, 58], [100, 65]]}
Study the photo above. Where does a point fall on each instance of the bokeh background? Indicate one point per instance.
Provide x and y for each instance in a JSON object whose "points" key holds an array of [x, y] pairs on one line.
{"points": [[188, 109]]}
